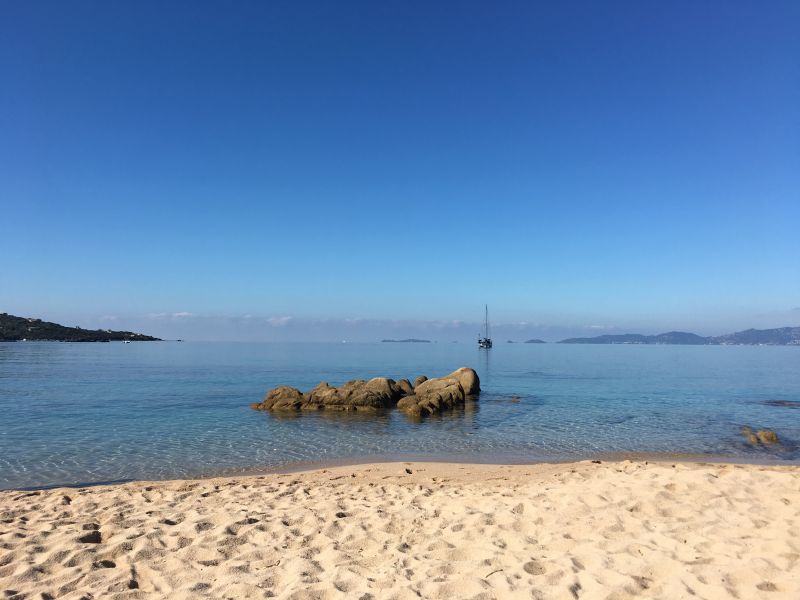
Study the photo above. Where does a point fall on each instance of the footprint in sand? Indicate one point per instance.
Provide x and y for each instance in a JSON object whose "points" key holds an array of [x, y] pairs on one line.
{"points": [[533, 567]]}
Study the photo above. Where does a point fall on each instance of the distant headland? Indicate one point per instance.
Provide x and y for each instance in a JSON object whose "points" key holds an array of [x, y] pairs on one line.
{"points": [[21, 329], [782, 336], [407, 341]]}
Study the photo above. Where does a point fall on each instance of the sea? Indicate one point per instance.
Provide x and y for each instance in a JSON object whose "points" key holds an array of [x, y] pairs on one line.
{"points": [[81, 414]]}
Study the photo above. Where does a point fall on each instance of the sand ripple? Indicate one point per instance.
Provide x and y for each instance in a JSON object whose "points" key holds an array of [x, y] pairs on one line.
{"points": [[584, 530]]}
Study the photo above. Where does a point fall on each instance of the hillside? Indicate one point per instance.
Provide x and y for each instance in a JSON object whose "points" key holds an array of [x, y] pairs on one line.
{"points": [[16, 329], [783, 336]]}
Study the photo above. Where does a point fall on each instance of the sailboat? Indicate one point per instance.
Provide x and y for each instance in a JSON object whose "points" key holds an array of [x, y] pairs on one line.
{"points": [[485, 341]]}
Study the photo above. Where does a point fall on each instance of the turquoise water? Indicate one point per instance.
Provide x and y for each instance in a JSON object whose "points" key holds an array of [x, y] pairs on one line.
{"points": [[83, 413]]}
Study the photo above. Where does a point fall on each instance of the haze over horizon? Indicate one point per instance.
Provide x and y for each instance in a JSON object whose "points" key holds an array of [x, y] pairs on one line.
{"points": [[286, 328], [321, 171]]}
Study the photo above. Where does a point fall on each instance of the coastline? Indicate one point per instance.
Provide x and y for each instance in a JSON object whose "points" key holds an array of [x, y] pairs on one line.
{"points": [[498, 460], [583, 529]]}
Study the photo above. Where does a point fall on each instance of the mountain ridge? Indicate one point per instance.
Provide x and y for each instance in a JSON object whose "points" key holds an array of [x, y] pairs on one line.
{"points": [[780, 336]]}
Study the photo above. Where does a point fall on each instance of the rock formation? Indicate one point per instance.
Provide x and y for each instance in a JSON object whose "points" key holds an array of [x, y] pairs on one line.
{"points": [[405, 387], [379, 392], [433, 396], [427, 396], [281, 398], [468, 379]]}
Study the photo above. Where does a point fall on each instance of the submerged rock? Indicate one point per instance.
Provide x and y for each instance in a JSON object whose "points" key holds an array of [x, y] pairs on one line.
{"points": [[782, 403], [763, 436], [767, 437], [749, 435]]}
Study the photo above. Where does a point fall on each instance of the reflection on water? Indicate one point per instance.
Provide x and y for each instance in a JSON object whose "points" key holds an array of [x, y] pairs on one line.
{"points": [[484, 358], [370, 417], [464, 416], [92, 412]]}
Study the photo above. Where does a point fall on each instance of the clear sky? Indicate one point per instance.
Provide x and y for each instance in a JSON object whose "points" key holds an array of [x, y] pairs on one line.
{"points": [[318, 170]]}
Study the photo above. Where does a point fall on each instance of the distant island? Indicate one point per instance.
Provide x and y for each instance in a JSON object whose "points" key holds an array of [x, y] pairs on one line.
{"points": [[782, 336], [535, 341], [407, 341], [21, 329]]}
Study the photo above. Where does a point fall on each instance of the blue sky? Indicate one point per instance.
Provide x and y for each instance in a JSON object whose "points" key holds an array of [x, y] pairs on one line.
{"points": [[361, 169]]}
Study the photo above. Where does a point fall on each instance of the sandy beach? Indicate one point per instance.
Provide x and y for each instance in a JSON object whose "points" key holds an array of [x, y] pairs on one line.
{"points": [[408, 530]]}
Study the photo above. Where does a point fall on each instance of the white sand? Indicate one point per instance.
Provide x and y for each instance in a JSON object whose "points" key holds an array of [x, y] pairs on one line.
{"points": [[614, 530]]}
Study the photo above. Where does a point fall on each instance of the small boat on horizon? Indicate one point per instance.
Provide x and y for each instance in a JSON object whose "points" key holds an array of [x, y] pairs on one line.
{"points": [[485, 341]]}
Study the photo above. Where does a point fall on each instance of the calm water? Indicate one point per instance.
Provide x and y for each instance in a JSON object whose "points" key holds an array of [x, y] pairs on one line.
{"points": [[73, 413]]}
